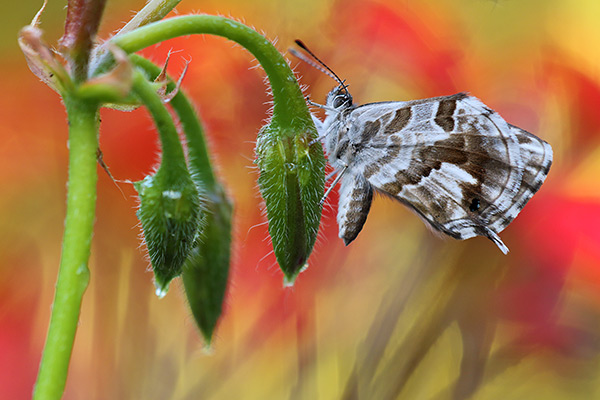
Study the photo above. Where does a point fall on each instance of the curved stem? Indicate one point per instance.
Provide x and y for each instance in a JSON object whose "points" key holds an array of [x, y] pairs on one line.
{"points": [[172, 151], [73, 274], [289, 103], [200, 164], [291, 170]]}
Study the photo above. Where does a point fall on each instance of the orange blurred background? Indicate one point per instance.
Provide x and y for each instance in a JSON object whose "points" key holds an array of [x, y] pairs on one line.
{"points": [[400, 313]]}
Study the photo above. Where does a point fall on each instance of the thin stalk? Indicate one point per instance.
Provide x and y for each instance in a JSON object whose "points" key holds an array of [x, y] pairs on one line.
{"points": [[289, 103], [200, 164], [73, 274], [172, 151]]}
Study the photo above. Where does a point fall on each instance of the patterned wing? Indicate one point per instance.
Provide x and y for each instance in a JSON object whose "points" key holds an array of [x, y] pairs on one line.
{"points": [[452, 159], [356, 195]]}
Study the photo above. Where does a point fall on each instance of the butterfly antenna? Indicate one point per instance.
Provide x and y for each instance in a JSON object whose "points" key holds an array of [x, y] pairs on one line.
{"points": [[310, 62], [321, 66]]}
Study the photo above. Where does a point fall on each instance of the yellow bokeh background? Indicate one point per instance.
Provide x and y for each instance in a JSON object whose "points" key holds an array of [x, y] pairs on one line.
{"points": [[400, 313]]}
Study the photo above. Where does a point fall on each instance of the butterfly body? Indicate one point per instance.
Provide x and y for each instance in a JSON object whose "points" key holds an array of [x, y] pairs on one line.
{"points": [[451, 159]]}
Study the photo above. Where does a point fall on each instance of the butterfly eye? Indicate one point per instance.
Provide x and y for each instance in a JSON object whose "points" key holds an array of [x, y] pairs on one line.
{"points": [[338, 101]]}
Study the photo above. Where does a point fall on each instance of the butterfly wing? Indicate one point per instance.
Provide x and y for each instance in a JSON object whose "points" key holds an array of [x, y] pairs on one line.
{"points": [[452, 159], [355, 197]]}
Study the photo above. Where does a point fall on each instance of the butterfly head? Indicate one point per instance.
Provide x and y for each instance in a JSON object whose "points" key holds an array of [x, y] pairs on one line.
{"points": [[339, 98]]}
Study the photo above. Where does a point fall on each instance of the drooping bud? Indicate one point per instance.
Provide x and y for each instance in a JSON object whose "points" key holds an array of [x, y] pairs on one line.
{"points": [[290, 159], [206, 270], [291, 183], [169, 200], [170, 216]]}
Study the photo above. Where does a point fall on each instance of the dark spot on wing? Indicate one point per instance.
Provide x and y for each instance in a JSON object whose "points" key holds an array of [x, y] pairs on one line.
{"points": [[475, 204], [401, 118], [392, 187], [371, 129], [483, 164], [371, 170], [523, 139], [413, 175], [445, 114]]}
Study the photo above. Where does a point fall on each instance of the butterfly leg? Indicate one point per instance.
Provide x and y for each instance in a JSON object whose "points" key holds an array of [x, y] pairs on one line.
{"points": [[337, 179], [330, 175], [312, 103]]}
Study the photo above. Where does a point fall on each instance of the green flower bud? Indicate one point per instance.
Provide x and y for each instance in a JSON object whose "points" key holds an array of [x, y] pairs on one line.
{"points": [[206, 270], [292, 168], [170, 216], [291, 182]]}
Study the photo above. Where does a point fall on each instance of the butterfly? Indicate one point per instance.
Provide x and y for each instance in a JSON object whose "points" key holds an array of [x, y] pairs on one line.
{"points": [[453, 160]]}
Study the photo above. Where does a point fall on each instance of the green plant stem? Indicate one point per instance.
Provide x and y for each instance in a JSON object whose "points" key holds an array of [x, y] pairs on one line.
{"points": [[200, 164], [172, 151], [73, 274], [289, 103]]}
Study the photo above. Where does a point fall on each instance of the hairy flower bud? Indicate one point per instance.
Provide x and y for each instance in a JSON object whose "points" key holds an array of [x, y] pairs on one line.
{"points": [[291, 183], [206, 270], [170, 216]]}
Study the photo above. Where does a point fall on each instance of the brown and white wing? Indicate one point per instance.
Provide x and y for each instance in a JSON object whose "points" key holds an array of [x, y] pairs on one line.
{"points": [[453, 160], [356, 195]]}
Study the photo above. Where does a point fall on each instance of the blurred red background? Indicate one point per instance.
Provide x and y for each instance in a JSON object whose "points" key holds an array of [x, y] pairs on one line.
{"points": [[400, 313]]}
